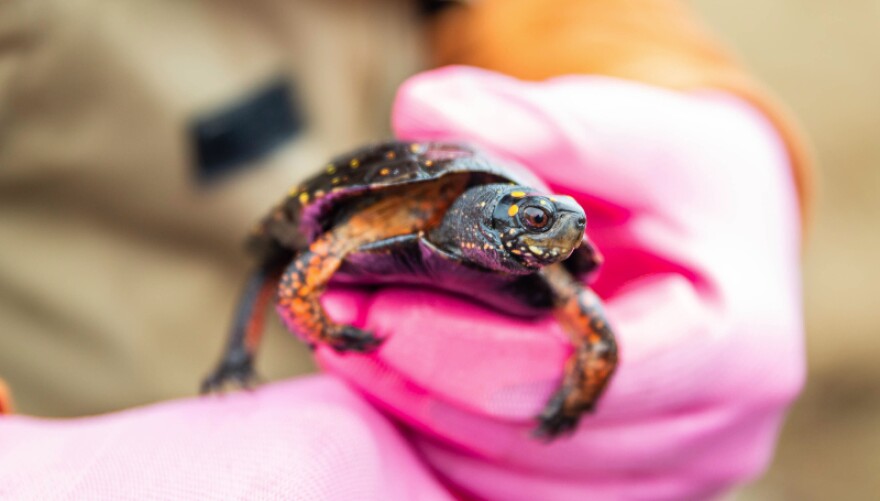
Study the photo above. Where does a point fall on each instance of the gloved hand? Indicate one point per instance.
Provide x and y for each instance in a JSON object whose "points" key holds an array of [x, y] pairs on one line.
{"points": [[690, 199]]}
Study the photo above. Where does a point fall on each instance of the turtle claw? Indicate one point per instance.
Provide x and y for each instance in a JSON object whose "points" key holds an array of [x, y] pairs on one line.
{"points": [[352, 339], [235, 371], [556, 420]]}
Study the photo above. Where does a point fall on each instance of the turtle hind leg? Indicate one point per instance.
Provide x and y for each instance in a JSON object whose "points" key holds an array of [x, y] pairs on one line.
{"points": [[299, 294], [591, 365], [237, 363], [237, 367]]}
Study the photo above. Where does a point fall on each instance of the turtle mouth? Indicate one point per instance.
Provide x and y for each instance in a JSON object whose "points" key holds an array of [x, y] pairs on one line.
{"points": [[537, 256], [535, 251]]}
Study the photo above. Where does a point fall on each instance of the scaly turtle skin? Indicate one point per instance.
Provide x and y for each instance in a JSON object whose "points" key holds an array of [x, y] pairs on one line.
{"points": [[432, 214]]}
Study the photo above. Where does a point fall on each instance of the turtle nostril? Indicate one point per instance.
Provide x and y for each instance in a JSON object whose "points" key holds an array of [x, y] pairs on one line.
{"points": [[582, 222]]}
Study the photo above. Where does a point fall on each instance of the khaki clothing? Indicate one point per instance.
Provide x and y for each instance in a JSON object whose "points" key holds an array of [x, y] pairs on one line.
{"points": [[119, 270]]}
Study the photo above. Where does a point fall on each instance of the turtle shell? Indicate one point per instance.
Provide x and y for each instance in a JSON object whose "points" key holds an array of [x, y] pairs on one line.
{"points": [[319, 202]]}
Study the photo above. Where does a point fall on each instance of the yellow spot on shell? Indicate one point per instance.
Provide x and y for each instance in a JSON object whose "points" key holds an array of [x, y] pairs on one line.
{"points": [[536, 250], [384, 171], [415, 147], [331, 169], [482, 204], [319, 193], [429, 163], [518, 194], [554, 199], [335, 180], [543, 202], [390, 155], [303, 197], [355, 163], [512, 210]]}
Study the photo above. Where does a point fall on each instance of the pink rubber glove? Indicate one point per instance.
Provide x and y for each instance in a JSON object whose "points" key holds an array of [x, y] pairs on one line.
{"points": [[691, 201]]}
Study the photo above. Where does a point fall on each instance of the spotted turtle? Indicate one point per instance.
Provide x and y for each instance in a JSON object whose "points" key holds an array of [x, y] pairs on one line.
{"points": [[435, 214]]}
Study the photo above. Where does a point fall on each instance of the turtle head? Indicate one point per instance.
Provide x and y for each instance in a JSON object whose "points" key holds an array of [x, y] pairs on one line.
{"points": [[512, 228]]}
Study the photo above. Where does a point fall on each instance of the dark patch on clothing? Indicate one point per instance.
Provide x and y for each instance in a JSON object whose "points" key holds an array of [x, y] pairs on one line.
{"points": [[244, 131]]}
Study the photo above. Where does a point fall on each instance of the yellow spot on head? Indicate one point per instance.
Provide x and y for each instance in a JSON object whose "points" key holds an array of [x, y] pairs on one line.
{"points": [[512, 210], [355, 163], [319, 193], [384, 171], [331, 169], [335, 180], [518, 194], [303, 197]]}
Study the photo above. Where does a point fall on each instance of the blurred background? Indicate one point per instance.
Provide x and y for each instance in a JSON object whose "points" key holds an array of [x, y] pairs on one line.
{"points": [[823, 59]]}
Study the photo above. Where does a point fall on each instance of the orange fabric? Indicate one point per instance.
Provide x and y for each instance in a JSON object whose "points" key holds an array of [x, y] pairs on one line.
{"points": [[654, 41], [5, 400]]}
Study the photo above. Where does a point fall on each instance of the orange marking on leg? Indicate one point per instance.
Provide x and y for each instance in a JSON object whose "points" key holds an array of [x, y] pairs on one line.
{"points": [[254, 329]]}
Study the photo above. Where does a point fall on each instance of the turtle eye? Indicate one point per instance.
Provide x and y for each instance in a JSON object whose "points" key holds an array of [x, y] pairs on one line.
{"points": [[536, 218]]}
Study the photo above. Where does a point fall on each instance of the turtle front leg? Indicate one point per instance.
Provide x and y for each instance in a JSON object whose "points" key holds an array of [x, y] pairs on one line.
{"points": [[299, 301], [590, 366]]}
